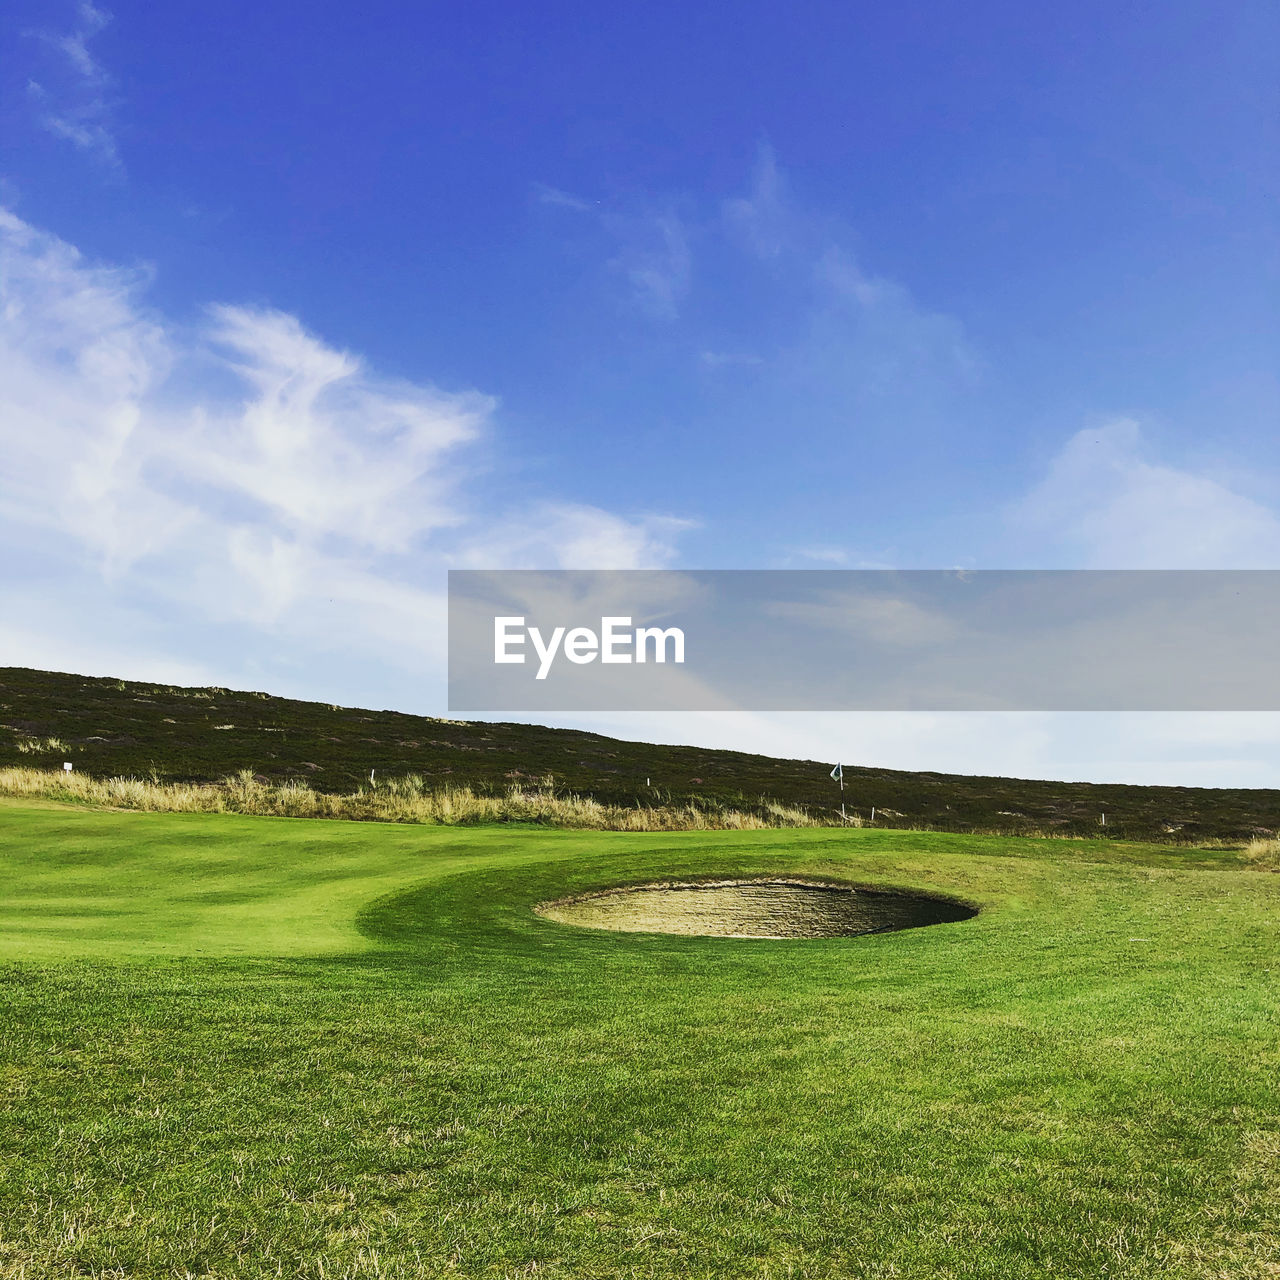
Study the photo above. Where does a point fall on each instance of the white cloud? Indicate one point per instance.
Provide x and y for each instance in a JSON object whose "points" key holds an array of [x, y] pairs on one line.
{"points": [[244, 476], [656, 261], [650, 248], [1107, 503], [1108, 500], [244, 503], [327, 448], [730, 360], [76, 44], [828, 557], [879, 620], [78, 357], [762, 221], [836, 345], [846, 353], [852, 310], [575, 536], [544, 193], [894, 339], [824, 556], [79, 108]]}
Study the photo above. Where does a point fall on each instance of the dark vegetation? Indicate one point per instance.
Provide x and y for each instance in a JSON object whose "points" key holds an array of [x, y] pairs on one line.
{"points": [[108, 727]]}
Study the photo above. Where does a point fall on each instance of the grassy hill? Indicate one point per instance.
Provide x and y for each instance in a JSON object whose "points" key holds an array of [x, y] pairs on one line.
{"points": [[108, 727]]}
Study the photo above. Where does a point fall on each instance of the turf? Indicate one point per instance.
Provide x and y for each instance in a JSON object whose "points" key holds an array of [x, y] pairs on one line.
{"points": [[251, 1047]]}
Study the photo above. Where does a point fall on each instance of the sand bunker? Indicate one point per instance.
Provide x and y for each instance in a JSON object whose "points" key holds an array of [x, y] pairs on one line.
{"points": [[754, 909]]}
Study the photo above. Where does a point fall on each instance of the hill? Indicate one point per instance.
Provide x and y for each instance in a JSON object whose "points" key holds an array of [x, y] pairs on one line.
{"points": [[108, 727]]}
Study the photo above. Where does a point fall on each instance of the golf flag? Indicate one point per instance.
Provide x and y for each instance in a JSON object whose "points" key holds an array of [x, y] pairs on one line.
{"points": [[838, 773]]}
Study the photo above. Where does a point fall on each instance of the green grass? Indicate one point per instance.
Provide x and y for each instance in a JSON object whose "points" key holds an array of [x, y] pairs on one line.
{"points": [[253, 1047]]}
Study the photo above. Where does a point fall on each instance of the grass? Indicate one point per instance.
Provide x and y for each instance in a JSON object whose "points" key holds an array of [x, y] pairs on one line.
{"points": [[1263, 854], [244, 1047], [117, 728], [26, 746], [406, 799]]}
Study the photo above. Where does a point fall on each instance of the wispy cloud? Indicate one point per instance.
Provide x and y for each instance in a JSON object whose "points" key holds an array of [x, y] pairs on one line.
{"points": [[831, 557], [544, 193], [656, 261], [857, 334], [762, 221], [650, 248], [76, 105], [890, 621], [76, 45], [730, 360], [561, 535], [810, 310], [246, 474], [1107, 501]]}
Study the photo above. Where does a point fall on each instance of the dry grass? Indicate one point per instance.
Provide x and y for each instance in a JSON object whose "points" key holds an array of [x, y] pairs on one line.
{"points": [[406, 799], [1263, 854], [40, 746]]}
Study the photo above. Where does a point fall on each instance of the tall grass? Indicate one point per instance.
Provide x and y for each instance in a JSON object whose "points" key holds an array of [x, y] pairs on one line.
{"points": [[39, 746], [405, 799], [1264, 854]]}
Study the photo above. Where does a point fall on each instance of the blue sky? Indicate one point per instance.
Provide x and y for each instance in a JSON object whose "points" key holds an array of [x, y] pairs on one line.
{"points": [[306, 305]]}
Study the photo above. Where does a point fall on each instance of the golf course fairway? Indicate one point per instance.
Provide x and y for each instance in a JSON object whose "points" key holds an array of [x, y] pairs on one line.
{"points": [[252, 1047]]}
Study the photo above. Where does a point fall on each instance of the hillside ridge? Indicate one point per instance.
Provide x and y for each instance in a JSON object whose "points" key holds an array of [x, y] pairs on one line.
{"points": [[112, 727]]}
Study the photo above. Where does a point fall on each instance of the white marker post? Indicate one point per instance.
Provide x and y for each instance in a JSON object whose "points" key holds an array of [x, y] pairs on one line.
{"points": [[66, 766], [838, 774]]}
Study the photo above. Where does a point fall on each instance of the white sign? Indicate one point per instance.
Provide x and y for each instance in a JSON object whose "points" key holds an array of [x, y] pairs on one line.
{"points": [[66, 765]]}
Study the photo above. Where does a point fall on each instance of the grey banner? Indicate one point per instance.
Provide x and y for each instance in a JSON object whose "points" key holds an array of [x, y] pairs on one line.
{"points": [[864, 640]]}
